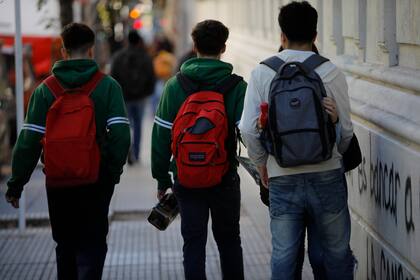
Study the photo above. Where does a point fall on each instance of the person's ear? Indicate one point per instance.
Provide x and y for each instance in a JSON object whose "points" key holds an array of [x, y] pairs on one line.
{"points": [[284, 41], [223, 49], [91, 53], [316, 35], [196, 51], [64, 53]]}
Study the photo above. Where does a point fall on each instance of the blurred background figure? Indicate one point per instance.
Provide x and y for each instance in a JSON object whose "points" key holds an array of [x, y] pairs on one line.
{"points": [[188, 55], [132, 67], [6, 101], [164, 35], [164, 64], [41, 48]]}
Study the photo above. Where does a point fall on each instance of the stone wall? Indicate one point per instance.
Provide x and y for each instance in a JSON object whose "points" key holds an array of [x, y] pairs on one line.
{"points": [[377, 44]]}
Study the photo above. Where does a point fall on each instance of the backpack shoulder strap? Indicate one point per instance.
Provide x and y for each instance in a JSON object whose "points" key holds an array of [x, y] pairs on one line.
{"points": [[228, 84], [54, 86], [314, 61], [273, 63], [57, 89], [94, 81], [187, 85]]}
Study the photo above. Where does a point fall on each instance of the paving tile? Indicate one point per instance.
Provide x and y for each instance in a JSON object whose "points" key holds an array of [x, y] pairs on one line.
{"points": [[136, 250]]}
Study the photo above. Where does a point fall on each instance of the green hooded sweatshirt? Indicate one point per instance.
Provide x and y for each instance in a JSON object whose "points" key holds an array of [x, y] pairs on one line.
{"points": [[112, 129], [204, 71]]}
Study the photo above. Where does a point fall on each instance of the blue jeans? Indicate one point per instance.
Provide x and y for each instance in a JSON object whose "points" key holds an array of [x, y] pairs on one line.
{"points": [[322, 198], [135, 110]]}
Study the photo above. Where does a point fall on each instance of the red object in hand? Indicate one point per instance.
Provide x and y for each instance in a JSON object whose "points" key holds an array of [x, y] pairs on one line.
{"points": [[264, 114]]}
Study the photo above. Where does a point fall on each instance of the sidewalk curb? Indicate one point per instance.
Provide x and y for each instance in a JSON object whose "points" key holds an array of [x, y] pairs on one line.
{"points": [[129, 215], [43, 220], [32, 220]]}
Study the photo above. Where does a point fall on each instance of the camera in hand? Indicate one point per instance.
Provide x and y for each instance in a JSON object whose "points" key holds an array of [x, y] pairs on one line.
{"points": [[164, 212]]}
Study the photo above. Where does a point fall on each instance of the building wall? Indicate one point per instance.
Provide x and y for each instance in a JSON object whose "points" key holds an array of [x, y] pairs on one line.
{"points": [[180, 16], [377, 44]]}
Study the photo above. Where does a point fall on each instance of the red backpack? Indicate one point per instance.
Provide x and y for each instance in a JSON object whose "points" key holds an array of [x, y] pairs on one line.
{"points": [[71, 153], [199, 134]]}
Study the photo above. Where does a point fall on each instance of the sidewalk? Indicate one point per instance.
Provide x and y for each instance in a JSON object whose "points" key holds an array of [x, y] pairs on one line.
{"points": [[136, 249]]}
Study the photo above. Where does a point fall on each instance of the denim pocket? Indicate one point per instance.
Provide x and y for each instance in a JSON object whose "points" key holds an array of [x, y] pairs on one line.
{"points": [[331, 192], [283, 198]]}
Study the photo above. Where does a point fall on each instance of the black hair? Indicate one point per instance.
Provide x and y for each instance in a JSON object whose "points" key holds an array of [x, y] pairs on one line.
{"points": [[134, 38], [163, 44], [298, 21], [77, 37], [210, 36]]}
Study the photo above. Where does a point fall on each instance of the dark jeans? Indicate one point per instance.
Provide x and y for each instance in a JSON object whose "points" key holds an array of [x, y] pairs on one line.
{"points": [[135, 110], [79, 223], [223, 204]]}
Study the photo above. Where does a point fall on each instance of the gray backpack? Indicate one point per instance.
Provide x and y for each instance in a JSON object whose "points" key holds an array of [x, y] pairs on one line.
{"points": [[299, 130]]}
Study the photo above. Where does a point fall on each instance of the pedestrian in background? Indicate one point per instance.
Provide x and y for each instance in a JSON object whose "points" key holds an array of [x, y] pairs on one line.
{"points": [[132, 67], [77, 119], [186, 56], [6, 110], [164, 63], [201, 107]]}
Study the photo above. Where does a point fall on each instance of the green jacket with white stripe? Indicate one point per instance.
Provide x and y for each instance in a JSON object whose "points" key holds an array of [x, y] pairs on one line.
{"points": [[206, 72], [112, 126]]}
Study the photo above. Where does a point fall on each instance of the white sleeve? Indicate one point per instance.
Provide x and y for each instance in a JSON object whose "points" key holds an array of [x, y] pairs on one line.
{"points": [[248, 123], [338, 132], [337, 88]]}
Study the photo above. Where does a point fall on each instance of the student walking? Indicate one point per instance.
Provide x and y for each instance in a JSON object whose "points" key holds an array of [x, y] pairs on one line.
{"points": [[195, 123], [299, 159], [77, 120], [132, 67]]}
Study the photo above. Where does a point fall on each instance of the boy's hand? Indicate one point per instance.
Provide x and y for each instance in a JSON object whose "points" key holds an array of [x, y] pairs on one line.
{"points": [[160, 194], [262, 170], [331, 108], [13, 200]]}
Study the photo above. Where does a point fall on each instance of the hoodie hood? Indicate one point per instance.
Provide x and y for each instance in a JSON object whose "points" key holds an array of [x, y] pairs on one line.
{"points": [[206, 70], [74, 73]]}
